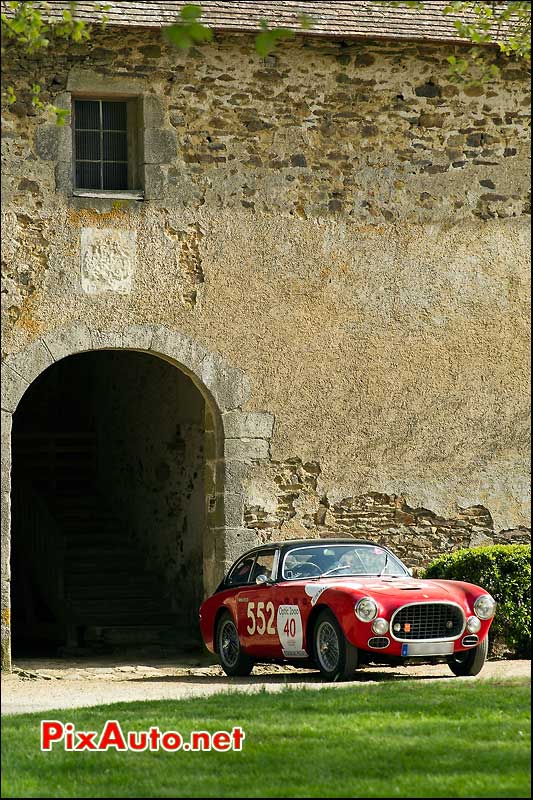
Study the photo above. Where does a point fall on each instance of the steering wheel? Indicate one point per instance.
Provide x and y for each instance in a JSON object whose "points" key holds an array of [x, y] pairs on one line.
{"points": [[302, 571]]}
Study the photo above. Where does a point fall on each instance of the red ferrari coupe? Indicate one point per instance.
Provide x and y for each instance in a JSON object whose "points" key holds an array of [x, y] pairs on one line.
{"points": [[340, 604]]}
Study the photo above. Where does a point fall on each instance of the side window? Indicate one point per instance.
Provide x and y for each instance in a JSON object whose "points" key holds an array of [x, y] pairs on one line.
{"points": [[104, 144], [240, 574], [264, 564]]}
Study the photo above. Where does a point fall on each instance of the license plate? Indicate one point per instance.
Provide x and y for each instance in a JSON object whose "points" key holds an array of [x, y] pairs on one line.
{"points": [[427, 649]]}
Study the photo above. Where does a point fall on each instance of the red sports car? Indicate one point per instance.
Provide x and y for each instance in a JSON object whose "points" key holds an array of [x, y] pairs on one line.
{"points": [[340, 604]]}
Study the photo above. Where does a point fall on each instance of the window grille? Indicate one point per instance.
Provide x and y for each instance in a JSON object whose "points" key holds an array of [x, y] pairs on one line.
{"points": [[101, 144]]}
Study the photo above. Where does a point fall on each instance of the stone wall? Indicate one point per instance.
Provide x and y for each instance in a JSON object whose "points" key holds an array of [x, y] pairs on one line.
{"points": [[296, 509], [342, 223]]}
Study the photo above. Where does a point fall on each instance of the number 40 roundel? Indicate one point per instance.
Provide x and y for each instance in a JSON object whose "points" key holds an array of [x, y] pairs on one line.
{"points": [[290, 632]]}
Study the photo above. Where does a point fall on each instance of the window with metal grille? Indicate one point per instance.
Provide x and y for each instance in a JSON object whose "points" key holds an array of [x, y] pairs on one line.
{"points": [[101, 145]]}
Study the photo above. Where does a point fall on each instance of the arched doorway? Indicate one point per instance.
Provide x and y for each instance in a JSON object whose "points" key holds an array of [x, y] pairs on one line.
{"points": [[108, 506], [234, 439]]}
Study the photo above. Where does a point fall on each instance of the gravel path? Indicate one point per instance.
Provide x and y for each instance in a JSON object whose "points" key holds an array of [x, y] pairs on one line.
{"points": [[40, 685]]}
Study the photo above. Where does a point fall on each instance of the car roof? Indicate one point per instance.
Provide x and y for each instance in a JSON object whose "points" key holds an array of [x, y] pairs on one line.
{"points": [[288, 543]]}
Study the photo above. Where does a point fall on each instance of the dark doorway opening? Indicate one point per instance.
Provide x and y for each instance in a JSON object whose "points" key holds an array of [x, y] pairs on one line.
{"points": [[108, 507]]}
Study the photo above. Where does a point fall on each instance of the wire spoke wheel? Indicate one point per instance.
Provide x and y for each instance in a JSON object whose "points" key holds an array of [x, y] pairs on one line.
{"points": [[328, 649], [334, 655], [229, 643], [233, 660]]}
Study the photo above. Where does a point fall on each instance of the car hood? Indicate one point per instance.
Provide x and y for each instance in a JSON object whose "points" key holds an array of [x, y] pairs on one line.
{"points": [[403, 589]]}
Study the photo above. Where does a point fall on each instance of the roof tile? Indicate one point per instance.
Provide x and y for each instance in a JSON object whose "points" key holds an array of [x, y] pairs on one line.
{"points": [[339, 19]]}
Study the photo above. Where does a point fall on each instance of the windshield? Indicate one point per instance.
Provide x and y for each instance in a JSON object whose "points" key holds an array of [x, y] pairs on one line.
{"points": [[317, 561]]}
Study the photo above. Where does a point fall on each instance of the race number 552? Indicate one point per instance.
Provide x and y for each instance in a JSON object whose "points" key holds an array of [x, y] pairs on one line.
{"points": [[260, 619]]}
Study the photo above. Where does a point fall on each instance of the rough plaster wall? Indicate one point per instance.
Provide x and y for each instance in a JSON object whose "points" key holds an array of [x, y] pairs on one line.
{"points": [[150, 430], [345, 225]]}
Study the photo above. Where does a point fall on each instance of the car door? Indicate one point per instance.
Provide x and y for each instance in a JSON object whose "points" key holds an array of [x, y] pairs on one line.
{"points": [[293, 607], [256, 608]]}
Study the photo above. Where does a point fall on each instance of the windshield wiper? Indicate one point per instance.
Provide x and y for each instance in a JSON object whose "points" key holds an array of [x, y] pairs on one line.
{"points": [[339, 566]]}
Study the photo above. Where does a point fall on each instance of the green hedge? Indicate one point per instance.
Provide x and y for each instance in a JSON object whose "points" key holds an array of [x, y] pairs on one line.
{"points": [[505, 572]]}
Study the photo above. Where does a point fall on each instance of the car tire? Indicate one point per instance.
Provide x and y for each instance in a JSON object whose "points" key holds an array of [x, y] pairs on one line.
{"points": [[232, 659], [333, 654], [469, 662]]}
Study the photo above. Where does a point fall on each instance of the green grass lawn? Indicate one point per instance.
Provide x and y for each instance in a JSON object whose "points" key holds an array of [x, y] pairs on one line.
{"points": [[407, 739]]}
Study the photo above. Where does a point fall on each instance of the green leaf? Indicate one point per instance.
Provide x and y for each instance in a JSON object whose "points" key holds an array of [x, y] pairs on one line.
{"points": [[178, 36], [199, 32], [61, 115], [306, 22], [191, 12], [266, 41]]}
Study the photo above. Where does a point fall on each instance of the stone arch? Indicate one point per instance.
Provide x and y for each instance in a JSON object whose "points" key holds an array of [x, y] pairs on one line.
{"points": [[235, 438]]}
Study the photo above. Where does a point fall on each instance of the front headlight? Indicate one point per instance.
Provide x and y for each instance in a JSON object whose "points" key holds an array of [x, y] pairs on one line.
{"points": [[366, 609], [473, 624], [485, 606], [380, 626]]}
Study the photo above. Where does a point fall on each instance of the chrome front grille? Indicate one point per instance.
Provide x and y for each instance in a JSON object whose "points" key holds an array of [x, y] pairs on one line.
{"points": [[427, 621]]}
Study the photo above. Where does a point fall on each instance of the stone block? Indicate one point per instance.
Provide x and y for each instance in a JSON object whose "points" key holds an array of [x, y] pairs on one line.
{"points": [[236, 542], [54, 142], [13, 387], [229, 386], [246, 449], [63, 177], [6, 450], [234, 475], [233, 509], [160, 145], [5, 585], [248, 424], [31, 361], [6, 543], [153, 111], [67, 341], [227, 475], [180, 348], [64, 100], [155, 181], [89, 81], [138, 337], [107, 340], [6, 646]]}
